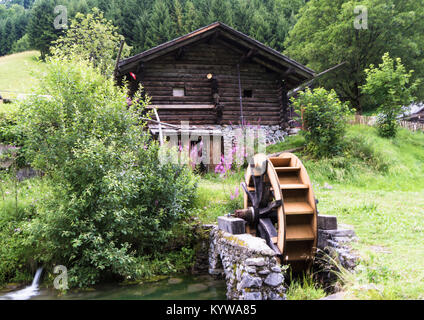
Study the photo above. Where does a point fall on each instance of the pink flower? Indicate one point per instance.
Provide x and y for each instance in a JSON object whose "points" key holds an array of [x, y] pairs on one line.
{"points": [[236, 194]]}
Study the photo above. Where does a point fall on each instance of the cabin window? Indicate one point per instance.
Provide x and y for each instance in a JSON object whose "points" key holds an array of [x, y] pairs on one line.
{"points": [[248, 93], [178, 92]]}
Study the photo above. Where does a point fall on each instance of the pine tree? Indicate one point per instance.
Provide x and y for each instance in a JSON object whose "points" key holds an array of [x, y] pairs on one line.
{"points": [[161, 26], [220, 10], [41, 30], [192, 18]]}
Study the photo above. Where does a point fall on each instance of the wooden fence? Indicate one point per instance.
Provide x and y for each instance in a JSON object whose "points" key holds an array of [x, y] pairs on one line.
{"points": [[371, 120]]}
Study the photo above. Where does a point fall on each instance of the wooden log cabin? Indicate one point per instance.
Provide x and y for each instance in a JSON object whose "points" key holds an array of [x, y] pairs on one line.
{"points": [[214, 77]]}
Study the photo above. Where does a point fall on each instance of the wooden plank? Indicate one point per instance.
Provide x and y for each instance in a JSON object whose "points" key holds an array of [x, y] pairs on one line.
{"points": [[293, 186], [181, 106], [294, 208], [287, 169], [299, 232]]}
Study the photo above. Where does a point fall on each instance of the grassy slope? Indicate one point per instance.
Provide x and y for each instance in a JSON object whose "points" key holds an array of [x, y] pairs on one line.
{"points": [[378, 188], [16, 73]]}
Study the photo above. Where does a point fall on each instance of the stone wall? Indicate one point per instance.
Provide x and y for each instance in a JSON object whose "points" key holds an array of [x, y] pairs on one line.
{"points": [[248, 265], [334, 251]]}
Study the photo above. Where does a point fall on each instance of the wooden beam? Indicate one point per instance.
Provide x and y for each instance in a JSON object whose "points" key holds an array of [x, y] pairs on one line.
{"points": [[290, 79], [158, 53], [181, 106]]}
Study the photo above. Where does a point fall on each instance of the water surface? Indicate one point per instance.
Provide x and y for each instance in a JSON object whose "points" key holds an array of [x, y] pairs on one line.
{"points": [[184, 287]]}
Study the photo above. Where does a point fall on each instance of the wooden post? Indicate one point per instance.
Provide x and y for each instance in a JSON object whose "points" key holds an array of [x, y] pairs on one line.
{"points": [[160, 127], [121, 46], [241, 98], [284, 118]]}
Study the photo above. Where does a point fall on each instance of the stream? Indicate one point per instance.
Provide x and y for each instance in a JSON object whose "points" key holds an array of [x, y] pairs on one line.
{"points": [[180, 287]]}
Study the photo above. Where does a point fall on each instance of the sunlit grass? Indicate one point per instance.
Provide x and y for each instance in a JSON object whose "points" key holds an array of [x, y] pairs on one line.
{"points": [[16, 73]]}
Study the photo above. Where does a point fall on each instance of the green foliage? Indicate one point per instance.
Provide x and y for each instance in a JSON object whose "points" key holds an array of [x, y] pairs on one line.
{"points": [[41, 31], [146, 24], [113, 200], [324, 119], [304, 288], [21, 45], [8, 121], [92, 38], [11, 133], [324, 36], [16, 257], [388, 85], [13, 22]]}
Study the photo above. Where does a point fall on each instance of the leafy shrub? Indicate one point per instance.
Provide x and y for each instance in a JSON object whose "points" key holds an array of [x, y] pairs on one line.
{"points": [[21, 45], [388, 86], [10, 131], [324, 119], [91, 38], [113, 200]]}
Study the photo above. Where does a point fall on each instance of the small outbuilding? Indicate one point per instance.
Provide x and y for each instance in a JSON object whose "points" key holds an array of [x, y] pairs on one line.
{"points": [[216, 78]]}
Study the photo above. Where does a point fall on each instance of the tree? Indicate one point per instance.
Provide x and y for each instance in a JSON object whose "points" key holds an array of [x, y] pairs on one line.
{"points": [[388, 85], [220, 10], [324, 36], [13, 22], [161, 27], [92, 38], [192, 18], [41, 30], [324, 119], [113, 201]]}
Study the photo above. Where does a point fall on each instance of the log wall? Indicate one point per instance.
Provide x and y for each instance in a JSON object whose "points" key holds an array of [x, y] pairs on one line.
{"points": [[189, 71]]}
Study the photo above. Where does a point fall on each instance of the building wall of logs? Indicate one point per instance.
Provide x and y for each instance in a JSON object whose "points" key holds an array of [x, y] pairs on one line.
{"points": [[216, 100]]}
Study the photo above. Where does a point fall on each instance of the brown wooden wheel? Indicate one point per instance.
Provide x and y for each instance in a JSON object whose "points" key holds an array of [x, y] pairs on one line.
{"points": [[280, 206]]}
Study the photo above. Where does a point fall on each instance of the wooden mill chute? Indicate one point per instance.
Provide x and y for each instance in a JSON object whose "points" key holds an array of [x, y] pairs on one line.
{"points": [[280, 206]]}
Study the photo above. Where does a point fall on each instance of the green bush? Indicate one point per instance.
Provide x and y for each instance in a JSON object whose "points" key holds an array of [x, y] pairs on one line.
{"points": [[324, 119], [113, 200], [388, 87], [10, 131]]}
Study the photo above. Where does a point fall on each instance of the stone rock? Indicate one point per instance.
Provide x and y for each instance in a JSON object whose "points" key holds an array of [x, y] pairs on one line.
{"points": [[232, 225], [264, 272], [274, 279], [252, 296], [248, 281], [274, 296], [276, 269], [175, 280], [259, 262], [251, 269], [326, 222], [246, 261], [341, 233]]}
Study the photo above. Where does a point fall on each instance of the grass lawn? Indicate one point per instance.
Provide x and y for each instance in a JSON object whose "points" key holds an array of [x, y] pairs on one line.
{"points": [[378, 188], [16, 73]]}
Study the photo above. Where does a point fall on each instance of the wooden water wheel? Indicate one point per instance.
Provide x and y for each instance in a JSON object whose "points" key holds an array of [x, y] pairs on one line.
{"points": [[280, 207]]}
